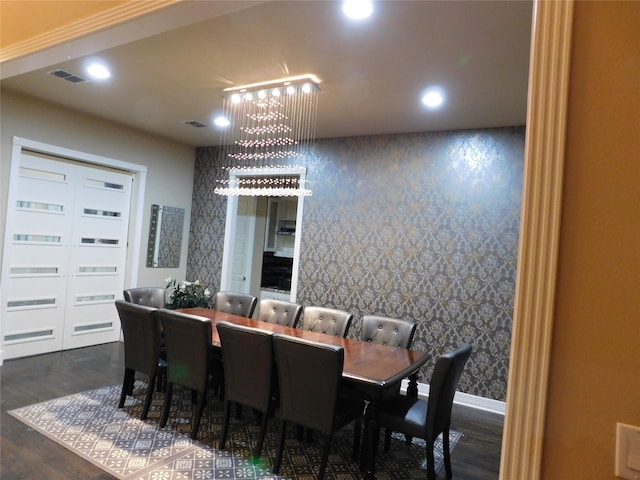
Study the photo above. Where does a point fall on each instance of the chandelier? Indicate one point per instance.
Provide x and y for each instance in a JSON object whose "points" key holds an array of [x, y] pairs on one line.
{"points": [[271, 127]]}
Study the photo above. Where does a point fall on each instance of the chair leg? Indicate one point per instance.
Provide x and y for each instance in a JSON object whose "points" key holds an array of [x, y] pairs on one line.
{"points": [[129, 375], [387, 439], [166, 405], [431, 469], [148, 397], [357, 432], [278, 461], [225, 424], [447, 453], [194, 397], [263, 431], [325, 456], [198, 414], [132, 382], [161, 379]]}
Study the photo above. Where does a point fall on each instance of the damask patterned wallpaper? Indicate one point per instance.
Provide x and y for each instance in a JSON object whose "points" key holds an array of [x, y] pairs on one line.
{"points": [[421, 226]]}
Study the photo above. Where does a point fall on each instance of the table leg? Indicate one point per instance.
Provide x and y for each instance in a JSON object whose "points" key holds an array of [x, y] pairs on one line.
{"points": [[412, 391], [370, 441], [412, 388]]}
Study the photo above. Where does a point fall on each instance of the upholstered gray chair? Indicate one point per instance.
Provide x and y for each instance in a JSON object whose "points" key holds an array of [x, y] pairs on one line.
{"points": [[428, 419], [141, 333], [249, 378], [236, 303], [310, 376], [326, 320], [396, 332], [189, 359], [149, 296], [280, 312]]}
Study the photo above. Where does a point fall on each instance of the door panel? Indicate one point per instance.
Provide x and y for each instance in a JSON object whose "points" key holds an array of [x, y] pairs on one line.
{"points": [[66, 255], [243, 245], [97, 257]]}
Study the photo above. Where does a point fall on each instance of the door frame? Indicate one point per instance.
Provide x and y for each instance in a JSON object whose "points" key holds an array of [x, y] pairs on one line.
{"points": [[230, 224], [134, 236]]}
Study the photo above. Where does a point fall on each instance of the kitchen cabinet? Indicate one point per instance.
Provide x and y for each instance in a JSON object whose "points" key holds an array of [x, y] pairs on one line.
{"points": [[268, 294], [281, 226]]}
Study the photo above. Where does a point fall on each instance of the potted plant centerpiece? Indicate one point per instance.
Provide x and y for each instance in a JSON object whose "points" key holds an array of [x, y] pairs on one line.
{"points": [[187, 294]]}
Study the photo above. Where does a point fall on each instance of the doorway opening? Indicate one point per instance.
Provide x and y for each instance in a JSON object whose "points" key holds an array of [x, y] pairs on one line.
{"points": [[262, 239]]}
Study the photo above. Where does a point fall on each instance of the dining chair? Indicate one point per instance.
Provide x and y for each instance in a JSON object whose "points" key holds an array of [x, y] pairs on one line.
{"points": [[396, 332], [236, 303], [142, 350], [249, 372], [326, 320], [427, 419], [149, 296], [309, 377], [280, 312], [189, 359]]}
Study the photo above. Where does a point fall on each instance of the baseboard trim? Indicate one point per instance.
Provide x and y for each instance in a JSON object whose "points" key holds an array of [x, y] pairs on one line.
{"points": [[466, 399]]}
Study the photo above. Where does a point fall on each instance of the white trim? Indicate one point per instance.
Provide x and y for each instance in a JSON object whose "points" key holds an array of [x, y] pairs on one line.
{"points": [[96, 22], [465, 399], [523, 437]]}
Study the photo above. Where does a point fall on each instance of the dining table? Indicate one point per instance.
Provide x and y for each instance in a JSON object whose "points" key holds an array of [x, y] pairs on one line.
{"points": [[371, 371]]}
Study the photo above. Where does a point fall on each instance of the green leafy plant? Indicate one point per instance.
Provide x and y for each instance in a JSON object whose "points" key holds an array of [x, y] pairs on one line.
{"points": [[187, 294]]}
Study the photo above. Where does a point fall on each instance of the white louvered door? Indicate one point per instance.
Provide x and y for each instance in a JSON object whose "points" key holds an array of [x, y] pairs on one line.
{"points": [[66, 255]]}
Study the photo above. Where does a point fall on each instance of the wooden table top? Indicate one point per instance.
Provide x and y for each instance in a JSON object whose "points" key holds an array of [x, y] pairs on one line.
{"points": [[366, 363]]}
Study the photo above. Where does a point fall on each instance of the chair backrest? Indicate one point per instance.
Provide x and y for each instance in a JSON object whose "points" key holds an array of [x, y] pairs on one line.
{"points": [[149, 296], [237, 303], [326, 320], [141, 332], [249, 366], [396, 332], [442, 388], [309, 375], [280, 312], [189, 351]]}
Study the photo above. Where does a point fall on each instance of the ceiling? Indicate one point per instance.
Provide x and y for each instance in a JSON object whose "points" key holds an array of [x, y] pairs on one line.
{"points": [[372, 72]]}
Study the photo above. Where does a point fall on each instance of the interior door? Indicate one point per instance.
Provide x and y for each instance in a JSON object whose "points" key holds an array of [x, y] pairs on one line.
{"points": [[65, 255], [97, 256], [243, 245]]}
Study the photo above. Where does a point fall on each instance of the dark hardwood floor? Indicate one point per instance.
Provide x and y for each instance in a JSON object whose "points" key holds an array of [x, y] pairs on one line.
{"points": [[25, 454]]}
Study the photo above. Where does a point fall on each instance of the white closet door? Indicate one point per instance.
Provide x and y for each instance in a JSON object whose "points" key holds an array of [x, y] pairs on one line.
{"points": [[66, 256], [97, 256]]}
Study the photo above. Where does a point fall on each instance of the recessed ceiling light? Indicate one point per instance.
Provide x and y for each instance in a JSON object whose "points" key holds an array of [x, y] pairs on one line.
{"points": [[222, 121], [433, 97], [98, 71], [357, 9]]}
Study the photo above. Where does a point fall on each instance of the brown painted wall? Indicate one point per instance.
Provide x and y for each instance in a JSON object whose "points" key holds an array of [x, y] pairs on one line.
{"points": [[595, 361]]}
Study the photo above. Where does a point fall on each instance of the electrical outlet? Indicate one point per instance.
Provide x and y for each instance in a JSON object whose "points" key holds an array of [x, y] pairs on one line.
{"points": [[627, 452]]}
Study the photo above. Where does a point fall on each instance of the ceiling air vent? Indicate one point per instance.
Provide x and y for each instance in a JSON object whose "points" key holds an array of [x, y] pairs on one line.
{"points": [[195, 123], [70, 77]]}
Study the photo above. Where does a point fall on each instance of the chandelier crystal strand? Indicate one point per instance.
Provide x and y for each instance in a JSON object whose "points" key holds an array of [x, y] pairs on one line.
{"points": [[271, 128]]}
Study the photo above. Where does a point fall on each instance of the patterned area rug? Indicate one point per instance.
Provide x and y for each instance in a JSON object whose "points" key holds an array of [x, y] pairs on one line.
{"points": [[89, 424]]}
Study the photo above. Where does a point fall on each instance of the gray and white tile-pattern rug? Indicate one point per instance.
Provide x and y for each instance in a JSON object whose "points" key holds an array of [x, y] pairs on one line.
{"points": [[91, 425]]}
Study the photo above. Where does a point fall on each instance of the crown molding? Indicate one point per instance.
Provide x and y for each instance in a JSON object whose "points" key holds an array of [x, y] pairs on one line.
{"points": [[85, 26]]}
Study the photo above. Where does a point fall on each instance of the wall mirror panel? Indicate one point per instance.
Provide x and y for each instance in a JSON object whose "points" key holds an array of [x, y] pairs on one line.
{"points": [[165, 236]]}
